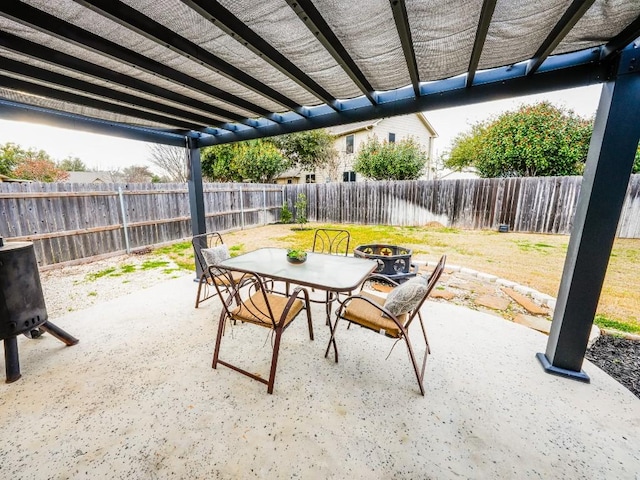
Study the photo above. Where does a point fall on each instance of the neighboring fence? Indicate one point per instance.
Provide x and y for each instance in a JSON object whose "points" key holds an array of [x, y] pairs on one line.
{"points": [[72, 221], [533, 204]]}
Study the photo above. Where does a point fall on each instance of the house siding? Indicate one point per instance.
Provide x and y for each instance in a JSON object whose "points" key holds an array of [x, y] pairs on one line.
{"points": [[403, 126]]}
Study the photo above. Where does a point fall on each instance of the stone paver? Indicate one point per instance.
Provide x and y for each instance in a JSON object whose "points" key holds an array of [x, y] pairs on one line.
{"points": [[444, 294], [493, 302], [528, 304], [537, 323]]}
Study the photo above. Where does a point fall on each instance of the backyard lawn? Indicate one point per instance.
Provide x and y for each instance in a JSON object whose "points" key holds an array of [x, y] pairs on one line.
{"points": [[534, 260]]}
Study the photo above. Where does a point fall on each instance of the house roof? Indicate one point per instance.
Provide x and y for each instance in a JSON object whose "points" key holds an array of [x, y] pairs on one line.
{"points": [[216, 72], [4, 178], [353, 127], [90, 177]]}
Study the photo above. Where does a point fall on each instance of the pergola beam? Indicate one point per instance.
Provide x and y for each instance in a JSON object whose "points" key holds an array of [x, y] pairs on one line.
{"points": [[27, 113], [235, 28], [310, 16], [573, 70], [620, 41], [133, 20], [401, 18], [85, 101], [58, 59], [488, 7], [51, 25], [64, 81], [573, 14]]}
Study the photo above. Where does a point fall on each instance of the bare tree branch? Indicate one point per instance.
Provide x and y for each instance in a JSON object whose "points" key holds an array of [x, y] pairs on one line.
{"points": [[172, 160]]}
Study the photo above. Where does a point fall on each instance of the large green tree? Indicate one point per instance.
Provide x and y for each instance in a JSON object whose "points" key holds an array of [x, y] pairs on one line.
{"points": [[306, 151], [217, 163], [72, 164], [309, 150], [403, 160], [535, 140], [257, 161]]}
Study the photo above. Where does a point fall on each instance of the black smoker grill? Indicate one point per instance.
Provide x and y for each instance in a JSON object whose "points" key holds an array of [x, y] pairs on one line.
{"points": [[22, 308]]}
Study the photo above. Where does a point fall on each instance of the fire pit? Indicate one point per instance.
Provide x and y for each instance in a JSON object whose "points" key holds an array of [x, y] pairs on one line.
{"points": [[393, 261], [22, 307]]}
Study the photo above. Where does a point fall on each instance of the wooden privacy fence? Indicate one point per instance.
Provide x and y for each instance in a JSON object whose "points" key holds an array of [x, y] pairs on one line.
{"points": [[67, 221], [532, 204]]}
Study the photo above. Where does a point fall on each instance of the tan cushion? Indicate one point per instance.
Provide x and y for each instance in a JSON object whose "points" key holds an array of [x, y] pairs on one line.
{"points": [[224, 280], [365, 314], [254, 309]]}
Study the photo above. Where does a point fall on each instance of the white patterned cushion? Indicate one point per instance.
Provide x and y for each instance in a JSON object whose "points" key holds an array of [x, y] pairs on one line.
{"points": [[406, 297], [215, 255]]}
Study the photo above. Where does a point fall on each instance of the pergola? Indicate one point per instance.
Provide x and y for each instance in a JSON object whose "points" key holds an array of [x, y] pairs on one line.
{"points": [[196, 73]]}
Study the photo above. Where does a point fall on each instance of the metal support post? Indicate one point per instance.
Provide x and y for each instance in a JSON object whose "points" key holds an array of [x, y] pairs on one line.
{"points": [[609, 163], [196, 193]]}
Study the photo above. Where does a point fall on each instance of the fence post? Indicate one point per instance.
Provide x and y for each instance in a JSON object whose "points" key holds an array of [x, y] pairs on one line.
{"points": [[241, 210], [124, 220], [264, 205]]}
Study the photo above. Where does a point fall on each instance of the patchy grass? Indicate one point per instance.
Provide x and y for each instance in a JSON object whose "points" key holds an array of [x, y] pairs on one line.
{"points": [[92, 277], [180, 253], [528, 246], [604, 322], [127, 268], [93, 294], [151, 264]]}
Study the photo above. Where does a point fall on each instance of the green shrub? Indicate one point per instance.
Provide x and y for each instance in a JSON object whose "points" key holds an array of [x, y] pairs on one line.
{"points": [[285, 214]]}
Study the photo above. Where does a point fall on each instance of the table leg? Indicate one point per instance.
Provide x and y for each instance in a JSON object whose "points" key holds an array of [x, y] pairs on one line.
{"points": [[329, 304]]}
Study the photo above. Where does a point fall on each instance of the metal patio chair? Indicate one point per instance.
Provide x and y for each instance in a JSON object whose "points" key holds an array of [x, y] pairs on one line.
{"points": [[332, 241], [392, 315], [202, 242], [249, 300]]}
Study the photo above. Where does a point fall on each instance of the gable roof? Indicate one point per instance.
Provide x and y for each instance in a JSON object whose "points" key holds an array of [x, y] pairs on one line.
{"points": [[90, 177], [4, 178]]}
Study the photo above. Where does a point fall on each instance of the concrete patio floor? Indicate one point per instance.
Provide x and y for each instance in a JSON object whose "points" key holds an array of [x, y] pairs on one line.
{"points": [[137, 398]]}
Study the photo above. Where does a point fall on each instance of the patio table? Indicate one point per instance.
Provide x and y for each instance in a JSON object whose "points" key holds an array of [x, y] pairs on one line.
{"points": [[332, 274]]}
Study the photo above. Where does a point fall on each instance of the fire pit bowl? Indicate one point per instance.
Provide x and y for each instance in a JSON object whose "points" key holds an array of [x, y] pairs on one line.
{"points": [[393, 261]]}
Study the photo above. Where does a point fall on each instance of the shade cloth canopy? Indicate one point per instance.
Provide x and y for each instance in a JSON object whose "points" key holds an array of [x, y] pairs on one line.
{"points": [[165, 70]]}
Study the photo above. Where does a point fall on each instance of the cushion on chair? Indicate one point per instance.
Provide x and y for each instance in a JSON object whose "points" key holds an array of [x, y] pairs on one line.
{"points": [[215, 256], [224, 280], [406, 297], [365, 314], [255, 310]]}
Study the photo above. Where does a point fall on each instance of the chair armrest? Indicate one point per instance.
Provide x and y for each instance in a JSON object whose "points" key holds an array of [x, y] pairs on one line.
{"points": [[382, 278], [292, 298]]}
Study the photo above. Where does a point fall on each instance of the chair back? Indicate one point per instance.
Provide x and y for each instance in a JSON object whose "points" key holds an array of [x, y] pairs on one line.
{"points": [[331, 241], [245, 291], [431, 283], [199, 242]]}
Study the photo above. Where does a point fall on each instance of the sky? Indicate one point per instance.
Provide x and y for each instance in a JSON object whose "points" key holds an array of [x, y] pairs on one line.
{"points": [[101, 152]]}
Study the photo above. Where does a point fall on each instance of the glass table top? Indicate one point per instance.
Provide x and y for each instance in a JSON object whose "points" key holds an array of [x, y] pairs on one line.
{"points": [[327, 272]]}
